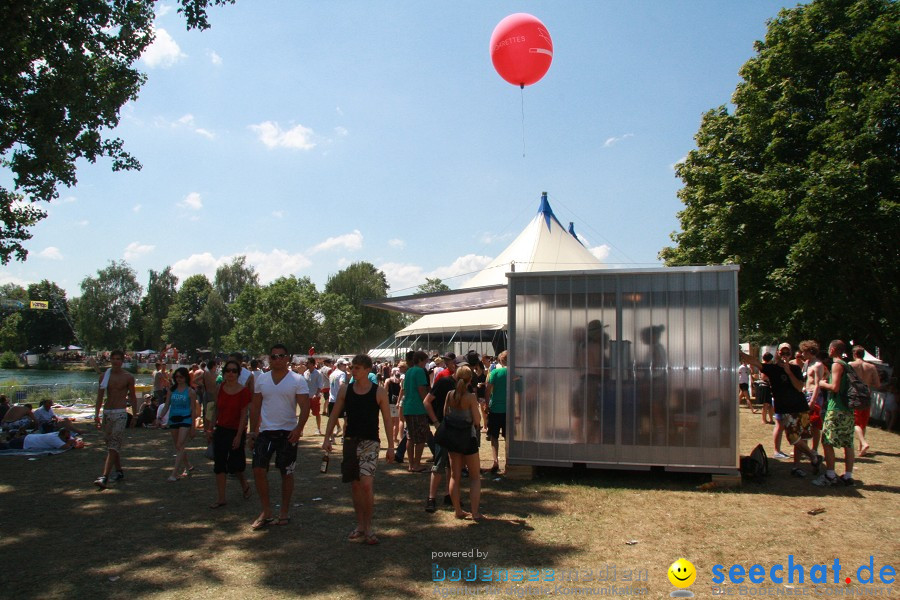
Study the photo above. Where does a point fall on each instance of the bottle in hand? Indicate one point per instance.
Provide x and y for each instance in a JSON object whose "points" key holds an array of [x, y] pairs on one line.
{"points": [[323, 468]]}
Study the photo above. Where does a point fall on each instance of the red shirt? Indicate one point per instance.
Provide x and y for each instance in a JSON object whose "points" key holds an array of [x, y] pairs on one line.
{"points": [[230, 406]]}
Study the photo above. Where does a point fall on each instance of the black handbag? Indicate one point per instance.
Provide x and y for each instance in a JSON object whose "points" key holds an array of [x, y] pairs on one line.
{"points": [[455, 434]]}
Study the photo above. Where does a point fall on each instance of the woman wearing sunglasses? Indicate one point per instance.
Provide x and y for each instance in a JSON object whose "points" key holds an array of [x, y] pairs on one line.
{"points": [[230, 433], [181, 406]]}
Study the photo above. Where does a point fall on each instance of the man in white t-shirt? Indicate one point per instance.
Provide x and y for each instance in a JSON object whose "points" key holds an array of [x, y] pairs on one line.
{"points": [[337, 379], [315, 382], [41, 441], [744, 386], [275, 430]]}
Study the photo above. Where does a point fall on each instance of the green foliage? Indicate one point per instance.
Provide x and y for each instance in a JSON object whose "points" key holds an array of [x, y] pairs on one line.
{"points": [[184, 327], [800, 185], [9, 360], [231, 279], [12, 333], [105, 308], [66, 73], [47, 328], [217, 318], [282, 312], [432, 285], [362, 281], [155, 305]]}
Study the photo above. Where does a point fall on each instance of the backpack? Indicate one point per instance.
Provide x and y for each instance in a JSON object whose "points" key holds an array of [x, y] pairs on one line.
{"points": [[756, 466], [858, 396]]}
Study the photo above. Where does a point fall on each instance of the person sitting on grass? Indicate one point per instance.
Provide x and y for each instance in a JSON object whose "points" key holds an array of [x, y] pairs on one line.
{"points": [[19, 417], [48, 422]]}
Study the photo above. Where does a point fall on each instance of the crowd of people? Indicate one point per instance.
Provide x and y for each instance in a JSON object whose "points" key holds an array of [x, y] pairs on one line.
{"points": [[265, 404], [806, 396]]}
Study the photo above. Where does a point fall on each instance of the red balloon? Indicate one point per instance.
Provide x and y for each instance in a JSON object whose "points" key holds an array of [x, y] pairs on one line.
{"points": [[521, 49]]}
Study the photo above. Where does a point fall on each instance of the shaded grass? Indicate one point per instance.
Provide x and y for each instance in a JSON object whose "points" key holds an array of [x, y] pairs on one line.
{"points": [[150, 539]]}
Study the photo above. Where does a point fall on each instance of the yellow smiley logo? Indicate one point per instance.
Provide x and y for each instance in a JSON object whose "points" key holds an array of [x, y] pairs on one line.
{"points": [[682, 573]]}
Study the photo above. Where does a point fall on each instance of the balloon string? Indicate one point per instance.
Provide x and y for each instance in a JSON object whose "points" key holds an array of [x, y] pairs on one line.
{"points": [[522, 91]]}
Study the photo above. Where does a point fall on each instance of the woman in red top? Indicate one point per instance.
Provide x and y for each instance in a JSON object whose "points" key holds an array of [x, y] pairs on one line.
{"points": [[230, 432]]}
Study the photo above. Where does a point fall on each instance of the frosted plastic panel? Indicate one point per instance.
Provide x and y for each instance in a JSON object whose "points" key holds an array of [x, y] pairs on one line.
{"points": [[628, 368]]}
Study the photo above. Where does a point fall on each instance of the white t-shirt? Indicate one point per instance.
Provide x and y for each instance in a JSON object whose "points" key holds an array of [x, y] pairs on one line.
{"points": [[279, 402], [244, 375], [159, 417], [338, 378], [42, 441], [744, 374], [44, 415]]}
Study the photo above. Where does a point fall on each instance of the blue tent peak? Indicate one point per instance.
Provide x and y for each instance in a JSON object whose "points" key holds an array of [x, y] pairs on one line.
{"points": [[546, 210], [572, 232]]}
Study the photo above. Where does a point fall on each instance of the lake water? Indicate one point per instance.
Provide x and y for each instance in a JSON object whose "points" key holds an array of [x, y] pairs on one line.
{"points": [[36, 377]]}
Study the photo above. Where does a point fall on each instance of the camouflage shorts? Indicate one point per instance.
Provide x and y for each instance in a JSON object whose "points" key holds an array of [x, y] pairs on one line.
{"points": [[837, 430]]}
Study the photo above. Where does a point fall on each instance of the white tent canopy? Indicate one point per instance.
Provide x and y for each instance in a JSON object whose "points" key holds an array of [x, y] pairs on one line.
{"points": [[544, 245]]}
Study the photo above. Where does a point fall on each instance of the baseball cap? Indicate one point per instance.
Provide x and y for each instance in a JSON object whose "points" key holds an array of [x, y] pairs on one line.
{"points": [[783, 345]]}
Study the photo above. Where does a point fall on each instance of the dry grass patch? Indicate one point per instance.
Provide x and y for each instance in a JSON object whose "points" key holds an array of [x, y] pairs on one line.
{"points": [[147, 538]]}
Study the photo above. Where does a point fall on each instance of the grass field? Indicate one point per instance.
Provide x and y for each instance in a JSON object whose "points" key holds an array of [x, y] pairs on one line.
{"points": [[146, 538]]}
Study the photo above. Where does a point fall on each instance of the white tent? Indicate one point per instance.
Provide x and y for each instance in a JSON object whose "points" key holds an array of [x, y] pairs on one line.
{"points": [[544, 245]]}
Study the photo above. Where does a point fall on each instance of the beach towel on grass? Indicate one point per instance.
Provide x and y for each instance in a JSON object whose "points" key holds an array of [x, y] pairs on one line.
{"points": [[16, 452]]}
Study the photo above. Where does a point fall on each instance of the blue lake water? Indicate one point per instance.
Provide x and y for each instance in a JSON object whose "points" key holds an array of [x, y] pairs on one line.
{"points": [[36, 377]]}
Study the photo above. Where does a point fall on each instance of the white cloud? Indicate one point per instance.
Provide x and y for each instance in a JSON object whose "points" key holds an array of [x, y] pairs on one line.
{"points": [[615, 140], [341, 131], [348, 241], [343, 262], [339, 111], [164, 52], [395, 243], [404, 276], [214, 58], [271, 134], [136, 250], [83, 223], [675, 164], [278, 214], [4, 279], [51, 253], [162, 10], [192, 201], [66, 200], [137, 207], [269, 265], [601, 251], [185, 122]]}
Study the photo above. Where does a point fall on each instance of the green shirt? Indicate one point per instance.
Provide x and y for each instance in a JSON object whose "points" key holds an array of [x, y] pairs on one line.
{"points": [[839, 401], [412, 401], [497, 379]]}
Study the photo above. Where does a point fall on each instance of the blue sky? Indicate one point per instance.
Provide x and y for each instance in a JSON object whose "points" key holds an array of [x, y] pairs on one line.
{"points": [[309, 135]]}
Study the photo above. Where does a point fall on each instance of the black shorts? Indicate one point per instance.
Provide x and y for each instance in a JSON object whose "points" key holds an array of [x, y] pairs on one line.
{"points": [[744, 387], [496, 424], [275, 442], [227, 459]]}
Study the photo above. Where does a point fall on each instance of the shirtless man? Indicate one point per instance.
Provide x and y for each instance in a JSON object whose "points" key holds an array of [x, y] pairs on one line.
{"points": [[161, 382], [212, 393], [815, 372], [19, 416], [119, 391], [868, 374]]}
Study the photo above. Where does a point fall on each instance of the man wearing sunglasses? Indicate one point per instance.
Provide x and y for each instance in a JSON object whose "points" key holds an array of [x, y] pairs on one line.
{"points": [[275, 430]]}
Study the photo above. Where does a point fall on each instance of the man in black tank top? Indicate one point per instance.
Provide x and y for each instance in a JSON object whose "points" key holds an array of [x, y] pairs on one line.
{"points": [[362, 400]]}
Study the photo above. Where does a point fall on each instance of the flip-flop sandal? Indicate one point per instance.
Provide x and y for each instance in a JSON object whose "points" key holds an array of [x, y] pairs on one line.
{"points": [[217, 504], [247, 492], [356, 535], [281, 522], [262, 523], [371, 540]]}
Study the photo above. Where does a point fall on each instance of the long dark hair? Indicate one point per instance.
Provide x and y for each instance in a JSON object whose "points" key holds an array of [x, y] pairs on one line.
{"points": [[184, 373]]}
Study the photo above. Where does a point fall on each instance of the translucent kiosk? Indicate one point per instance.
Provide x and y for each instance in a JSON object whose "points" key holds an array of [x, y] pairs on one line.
{"points": [[624, 368]]}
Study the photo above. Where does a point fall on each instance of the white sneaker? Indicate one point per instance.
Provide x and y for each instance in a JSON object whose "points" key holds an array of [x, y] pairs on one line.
{"points": [[780, 455]]}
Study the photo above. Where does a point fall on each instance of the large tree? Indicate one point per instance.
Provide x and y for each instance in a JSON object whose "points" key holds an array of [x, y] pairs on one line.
{"points": [[161, 290], [231, 279], [356, 283], [51, 327], [800, 184], [184, 327], [106, 306], [66, 71], [282, 312]]}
